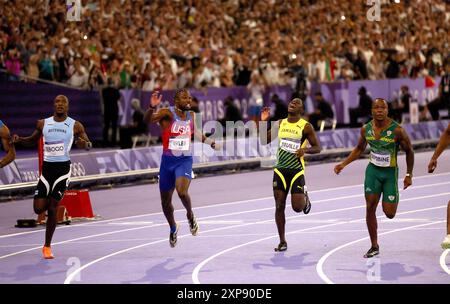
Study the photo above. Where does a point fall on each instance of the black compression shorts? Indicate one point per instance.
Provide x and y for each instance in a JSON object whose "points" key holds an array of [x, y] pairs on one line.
{"points": [[54, 180]]}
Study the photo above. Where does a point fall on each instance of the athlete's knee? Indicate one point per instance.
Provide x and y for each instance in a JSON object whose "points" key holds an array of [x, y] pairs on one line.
{"points": [[299, 206], [40, 206], [182, 193], [389, 214], [39, 209], [280, 206], [298, 203]]}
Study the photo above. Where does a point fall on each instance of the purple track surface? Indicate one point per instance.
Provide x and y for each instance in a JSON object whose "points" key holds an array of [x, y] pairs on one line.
{"points": [[238, 233]]}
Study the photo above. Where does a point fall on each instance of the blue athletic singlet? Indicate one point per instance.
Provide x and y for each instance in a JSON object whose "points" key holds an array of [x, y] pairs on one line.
{"points": [[58, 139], [1, 123]]}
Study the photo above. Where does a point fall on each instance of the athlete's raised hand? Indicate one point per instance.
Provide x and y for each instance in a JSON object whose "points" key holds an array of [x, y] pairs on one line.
{"points": [[338, 168], [265, 114], [155, 99]]}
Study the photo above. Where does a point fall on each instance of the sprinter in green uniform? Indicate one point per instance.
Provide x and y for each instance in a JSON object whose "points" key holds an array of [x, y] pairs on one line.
{"points": [[289, 174], [384, 137]]}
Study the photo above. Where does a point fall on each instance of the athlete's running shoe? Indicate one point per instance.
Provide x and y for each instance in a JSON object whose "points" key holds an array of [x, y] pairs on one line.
{"points": [[47, 253], [193, 226], [446, 242], [373, 251], [173, 237], [281, 247], [308, 204]]}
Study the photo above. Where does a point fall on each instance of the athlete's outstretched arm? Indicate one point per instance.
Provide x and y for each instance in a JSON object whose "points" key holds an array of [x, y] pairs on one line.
{"points": [[265, 114], [405, 143], [311, 136], [200, 136], [33, 138], [444, 141], [8, 146], [82, 140], [355, 154]]}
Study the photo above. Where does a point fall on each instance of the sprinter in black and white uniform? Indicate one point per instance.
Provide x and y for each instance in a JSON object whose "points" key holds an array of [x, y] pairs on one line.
{"points": [[58, 133]]}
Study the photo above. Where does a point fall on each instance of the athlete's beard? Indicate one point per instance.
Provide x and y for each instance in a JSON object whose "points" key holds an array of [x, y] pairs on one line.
{"points": [[183, 108], [61, 115]]}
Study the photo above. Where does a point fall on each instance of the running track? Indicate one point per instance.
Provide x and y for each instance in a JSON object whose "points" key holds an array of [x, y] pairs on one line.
{"points": [[237, 234]]}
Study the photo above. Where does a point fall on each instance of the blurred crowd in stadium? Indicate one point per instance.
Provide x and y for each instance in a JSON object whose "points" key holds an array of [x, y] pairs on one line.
{"points": [[202, 43]]}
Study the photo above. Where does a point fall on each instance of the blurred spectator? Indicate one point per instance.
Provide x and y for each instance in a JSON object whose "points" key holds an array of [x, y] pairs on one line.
{"points": [[443, 100], [111, 96], [323, 110], [401, 105], [281, 109], [255, 103], [364, 107], [12, 64], [232, 114], [137, 127], [46, 67], [78, 74]]}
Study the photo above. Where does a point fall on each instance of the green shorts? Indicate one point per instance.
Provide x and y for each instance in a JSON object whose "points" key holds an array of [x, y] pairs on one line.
{"points": [[382, 180]]}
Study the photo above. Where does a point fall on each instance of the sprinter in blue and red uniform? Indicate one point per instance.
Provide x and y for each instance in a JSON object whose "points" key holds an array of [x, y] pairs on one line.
{"points": [[177, 125]]}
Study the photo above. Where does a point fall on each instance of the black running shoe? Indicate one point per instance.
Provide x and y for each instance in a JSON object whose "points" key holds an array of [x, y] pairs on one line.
{"points": [[373, 251], [173, 238], [281, 247], [193, 226], [308, 204]]}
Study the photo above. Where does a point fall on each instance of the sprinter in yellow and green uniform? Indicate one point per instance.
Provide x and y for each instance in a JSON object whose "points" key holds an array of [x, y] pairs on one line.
{"points": [[289, 173], [384, 137]]}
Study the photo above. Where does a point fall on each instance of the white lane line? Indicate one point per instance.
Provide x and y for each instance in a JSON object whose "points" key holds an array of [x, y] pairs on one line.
{"points": [[163, 224], [72, 275], [442, 261], [197, 269], [129, 229], [319, 266], [209, 206]]}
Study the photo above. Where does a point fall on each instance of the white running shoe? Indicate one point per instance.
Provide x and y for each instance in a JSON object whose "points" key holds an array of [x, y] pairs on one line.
{"points": [[446, 242]]}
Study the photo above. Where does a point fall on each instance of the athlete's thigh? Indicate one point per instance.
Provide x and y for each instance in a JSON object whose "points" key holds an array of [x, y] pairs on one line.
{"points": [[372, 181], [61, 183], [298, 191], [390, 186], [183, 175], [281, 180], [166, 178]]}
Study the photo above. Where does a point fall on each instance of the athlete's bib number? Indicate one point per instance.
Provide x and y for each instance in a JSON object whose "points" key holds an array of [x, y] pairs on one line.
{"points": [[179, 143], [54, 149], [289, 145], [380, 159]]}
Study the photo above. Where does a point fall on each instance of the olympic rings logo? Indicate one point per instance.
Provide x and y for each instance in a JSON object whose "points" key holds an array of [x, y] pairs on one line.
{"points": [[78, 169]]}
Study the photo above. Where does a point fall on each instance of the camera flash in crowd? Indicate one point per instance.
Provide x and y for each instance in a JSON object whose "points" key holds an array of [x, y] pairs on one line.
{"points": [[342, 17], [85, 37]]}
